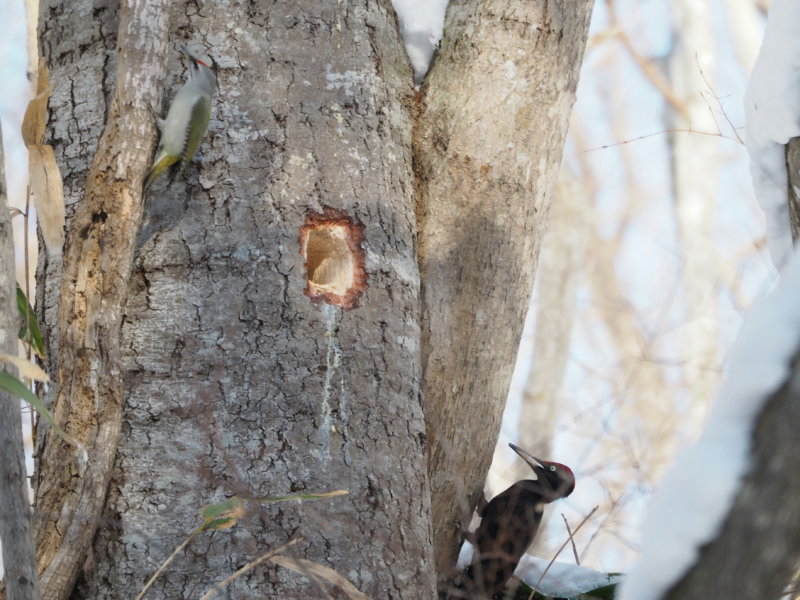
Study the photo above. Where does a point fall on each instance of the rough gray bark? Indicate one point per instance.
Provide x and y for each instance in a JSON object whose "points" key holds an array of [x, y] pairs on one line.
{"points": [[21, 577], [758, 548], [234, 382], [488, 147], [793, 172]]}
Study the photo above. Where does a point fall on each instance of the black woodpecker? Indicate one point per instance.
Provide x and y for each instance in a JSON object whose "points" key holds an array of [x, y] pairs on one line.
{"points": [[509, 523]]}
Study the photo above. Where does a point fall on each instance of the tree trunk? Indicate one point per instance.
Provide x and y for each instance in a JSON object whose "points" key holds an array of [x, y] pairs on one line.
{"points": [[494, 118], [20, 577], [793, 178], [757, 550], [235, 381], [695, 167], [249, 368], [70, 487]]}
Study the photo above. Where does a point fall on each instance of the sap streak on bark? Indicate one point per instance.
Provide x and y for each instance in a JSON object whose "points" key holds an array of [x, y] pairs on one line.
{"points": [[487, 152], [97, 265]]}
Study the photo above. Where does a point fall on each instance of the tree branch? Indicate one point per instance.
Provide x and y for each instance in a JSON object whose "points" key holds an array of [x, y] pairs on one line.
{"points": [[487, 152], [758, 548], [97, 265]]}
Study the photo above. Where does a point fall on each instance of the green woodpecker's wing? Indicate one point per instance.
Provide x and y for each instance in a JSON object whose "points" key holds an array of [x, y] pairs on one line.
{"points": [[198, 124]]}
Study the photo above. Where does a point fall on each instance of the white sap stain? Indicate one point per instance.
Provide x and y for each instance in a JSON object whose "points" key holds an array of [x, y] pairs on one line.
{"points": [[333, 367]]}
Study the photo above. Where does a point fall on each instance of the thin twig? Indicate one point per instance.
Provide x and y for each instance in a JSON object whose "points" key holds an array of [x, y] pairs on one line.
{"points": [[564, 545], [571, 539], [253, 563], [28, 316], [649, 135], [719, 103]]}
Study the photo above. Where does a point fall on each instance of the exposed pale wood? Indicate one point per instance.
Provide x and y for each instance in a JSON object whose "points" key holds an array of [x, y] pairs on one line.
{"points": [[487, 150]]}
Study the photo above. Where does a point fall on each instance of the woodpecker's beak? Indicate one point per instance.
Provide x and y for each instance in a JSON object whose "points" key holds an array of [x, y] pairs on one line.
{"points": [[532, 461], [186, 53]]}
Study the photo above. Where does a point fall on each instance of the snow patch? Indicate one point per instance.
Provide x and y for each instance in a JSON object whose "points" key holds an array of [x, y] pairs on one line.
{"points": [[562, 580], [772, 110], [421, 24], [697, 493]]}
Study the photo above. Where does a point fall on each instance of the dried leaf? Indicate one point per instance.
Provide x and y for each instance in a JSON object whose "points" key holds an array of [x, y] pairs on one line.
{"points": [[309, 568], [48, 195], [35, 121]]}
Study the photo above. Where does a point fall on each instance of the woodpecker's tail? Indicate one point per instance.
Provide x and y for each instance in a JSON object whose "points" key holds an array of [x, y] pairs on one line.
{"points": [[165, 162]]}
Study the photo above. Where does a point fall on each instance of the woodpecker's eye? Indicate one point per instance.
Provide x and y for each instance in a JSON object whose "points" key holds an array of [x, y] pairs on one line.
{"points": [[553, 468]]}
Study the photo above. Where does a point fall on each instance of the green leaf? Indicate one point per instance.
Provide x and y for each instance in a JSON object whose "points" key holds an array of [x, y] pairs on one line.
{"points": [[606, 592], [29, 331], [222, 515], [602, 593], [15, 387]]}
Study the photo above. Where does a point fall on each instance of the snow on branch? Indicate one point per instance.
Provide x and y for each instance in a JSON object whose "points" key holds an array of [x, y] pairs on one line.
{"points": [[696, 495], [772, 108]]}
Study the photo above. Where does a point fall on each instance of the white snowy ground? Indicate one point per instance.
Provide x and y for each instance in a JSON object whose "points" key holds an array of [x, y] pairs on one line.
{"points": [[772, 109], [697, 493]]}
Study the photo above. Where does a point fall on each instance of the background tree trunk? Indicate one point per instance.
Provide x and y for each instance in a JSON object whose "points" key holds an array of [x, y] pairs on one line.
{"points": [[757, 549], [235, 382], [20, 579], [495, 111], [695, 163]]}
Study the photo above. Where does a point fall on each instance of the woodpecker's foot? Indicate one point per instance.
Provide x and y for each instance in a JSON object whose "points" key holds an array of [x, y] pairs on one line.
{"points": [[155, 115]]}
